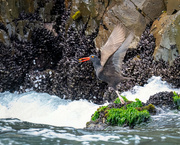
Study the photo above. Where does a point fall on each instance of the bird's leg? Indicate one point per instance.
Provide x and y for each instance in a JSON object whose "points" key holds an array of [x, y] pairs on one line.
{"points": [[121, 99]]}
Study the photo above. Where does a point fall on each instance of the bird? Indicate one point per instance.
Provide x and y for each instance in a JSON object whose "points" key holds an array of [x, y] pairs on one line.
{"points": [[109, 67]]}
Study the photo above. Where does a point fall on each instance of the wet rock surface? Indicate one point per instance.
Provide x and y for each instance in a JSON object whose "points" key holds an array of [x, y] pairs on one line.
{"points": [[45, 59], [162, 99]]}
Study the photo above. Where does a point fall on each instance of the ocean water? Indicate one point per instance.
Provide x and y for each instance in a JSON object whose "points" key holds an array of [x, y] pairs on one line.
{"points": [[39, 118]]}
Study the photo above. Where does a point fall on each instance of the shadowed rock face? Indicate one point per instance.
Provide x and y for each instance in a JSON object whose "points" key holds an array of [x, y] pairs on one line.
{"points": [[44, 58]]}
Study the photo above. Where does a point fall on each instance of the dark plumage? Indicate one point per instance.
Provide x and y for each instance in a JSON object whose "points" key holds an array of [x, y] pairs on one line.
{"points": [[108, 69]]}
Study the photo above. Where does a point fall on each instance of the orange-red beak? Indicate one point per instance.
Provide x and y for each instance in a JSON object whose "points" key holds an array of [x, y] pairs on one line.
{"points": [[84, 59]]}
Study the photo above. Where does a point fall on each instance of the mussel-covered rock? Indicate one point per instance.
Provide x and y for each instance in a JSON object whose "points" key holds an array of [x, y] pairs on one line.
{"points": [[162, 99], [46, 60]]}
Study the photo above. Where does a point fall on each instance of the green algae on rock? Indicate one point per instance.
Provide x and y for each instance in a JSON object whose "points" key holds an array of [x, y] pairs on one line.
{"points": [[150, 108], [176, 99], [130, 116], [116, 114], [96, 114]]}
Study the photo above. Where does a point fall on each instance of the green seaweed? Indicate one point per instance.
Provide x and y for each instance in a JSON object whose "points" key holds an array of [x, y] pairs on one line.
{"points": [[117, 101], [96, 114], [127, 115], [103, 108], [176, 99], [138, 103], [130, 116]]}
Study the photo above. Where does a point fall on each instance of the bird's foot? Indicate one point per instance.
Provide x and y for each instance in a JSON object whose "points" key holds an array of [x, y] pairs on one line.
{"points": [[122, 100]]}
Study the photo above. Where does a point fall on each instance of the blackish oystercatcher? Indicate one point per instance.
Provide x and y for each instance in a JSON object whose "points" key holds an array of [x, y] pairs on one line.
{"points": [[108, 69]]}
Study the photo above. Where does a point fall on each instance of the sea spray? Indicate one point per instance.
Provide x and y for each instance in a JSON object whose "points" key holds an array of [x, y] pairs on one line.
{"points": [[46, 109], [154, 85]]}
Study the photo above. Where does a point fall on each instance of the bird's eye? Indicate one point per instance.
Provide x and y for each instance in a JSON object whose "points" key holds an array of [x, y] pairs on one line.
{"points": [[92, 56]]}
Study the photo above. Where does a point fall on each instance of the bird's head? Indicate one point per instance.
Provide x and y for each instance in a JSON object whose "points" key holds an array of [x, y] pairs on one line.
{"points": [[91, 57]]}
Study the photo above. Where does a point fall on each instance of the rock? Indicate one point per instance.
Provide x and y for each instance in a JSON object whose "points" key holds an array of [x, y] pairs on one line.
{"points": [[147, 6], [172, 6], [166, 29], [162, 99], [131, 13], [44, 57], [10, 10], [119, 12], [96, 126]]}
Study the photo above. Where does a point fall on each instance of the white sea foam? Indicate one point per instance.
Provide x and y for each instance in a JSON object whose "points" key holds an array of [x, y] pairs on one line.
{"points": [[154, 85], [46, 109]]}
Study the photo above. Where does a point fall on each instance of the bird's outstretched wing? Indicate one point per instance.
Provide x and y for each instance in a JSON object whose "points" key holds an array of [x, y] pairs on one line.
{"points": [[111, 71], [113, 43], [118, 56]]}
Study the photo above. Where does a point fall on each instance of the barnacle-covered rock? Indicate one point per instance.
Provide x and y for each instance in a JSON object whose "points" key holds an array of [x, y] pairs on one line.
{"points": [[162, 99]]}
